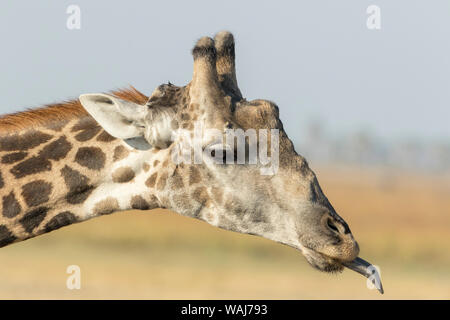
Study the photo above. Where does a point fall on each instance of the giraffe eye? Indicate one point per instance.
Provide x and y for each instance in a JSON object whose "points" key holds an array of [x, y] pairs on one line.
{"points": [[233, 158], [214, 151]]}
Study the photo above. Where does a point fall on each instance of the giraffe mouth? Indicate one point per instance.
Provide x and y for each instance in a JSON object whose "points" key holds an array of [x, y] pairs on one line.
{"points": [[366, 269], [329, 264], [362, 267]]}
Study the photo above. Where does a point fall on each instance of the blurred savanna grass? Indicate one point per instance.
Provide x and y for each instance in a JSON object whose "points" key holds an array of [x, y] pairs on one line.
{"points": [[401, 221]]}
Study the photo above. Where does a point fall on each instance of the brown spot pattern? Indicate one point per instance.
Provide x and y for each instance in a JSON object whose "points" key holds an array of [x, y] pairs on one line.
{"points": [[258, 217], [6, 236], [56, 150], [105, 137], [162, 181], [88, 128], [36, 192], [90, 157], [11, 206], [165, 202], [31, 166], [122, 175], [185, 117], [57, 125], [33, 218], [25, 141], [151, 181], [154, 202], [139, 203], [235, 205], [146, 166], [217, 194], [60, 220], [78, 185], [13, 157], [177, 180], [107, 206], [200, 195], [1, 180], [120, 152], [174, 124], [84, 123]]}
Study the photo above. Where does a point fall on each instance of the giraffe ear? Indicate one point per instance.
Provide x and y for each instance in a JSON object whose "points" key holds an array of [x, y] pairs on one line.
{"points": [[141, 126], [121, 119]]}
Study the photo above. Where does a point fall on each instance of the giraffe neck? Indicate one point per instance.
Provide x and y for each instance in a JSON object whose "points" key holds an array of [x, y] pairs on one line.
{"points": [[67, 171]]}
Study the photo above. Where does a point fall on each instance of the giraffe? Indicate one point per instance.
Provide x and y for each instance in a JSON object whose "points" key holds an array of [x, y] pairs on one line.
{"points": [[66, 163]]}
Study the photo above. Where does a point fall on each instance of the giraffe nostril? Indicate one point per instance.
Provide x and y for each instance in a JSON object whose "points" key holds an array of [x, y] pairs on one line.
{"points": [[332, 226]]}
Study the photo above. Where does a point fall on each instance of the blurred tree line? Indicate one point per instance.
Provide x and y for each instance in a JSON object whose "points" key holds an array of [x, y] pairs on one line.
{"points": [[363, 148]]}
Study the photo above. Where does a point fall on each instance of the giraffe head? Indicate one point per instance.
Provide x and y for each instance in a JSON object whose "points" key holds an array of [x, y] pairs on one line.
{"points": [[217, 180]]}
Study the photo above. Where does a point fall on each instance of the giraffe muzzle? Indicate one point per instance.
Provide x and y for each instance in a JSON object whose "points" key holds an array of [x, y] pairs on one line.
{"points": [[366, 269]]}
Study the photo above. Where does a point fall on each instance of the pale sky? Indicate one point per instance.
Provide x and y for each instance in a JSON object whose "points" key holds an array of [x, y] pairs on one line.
{"points": [[316, 59]]}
